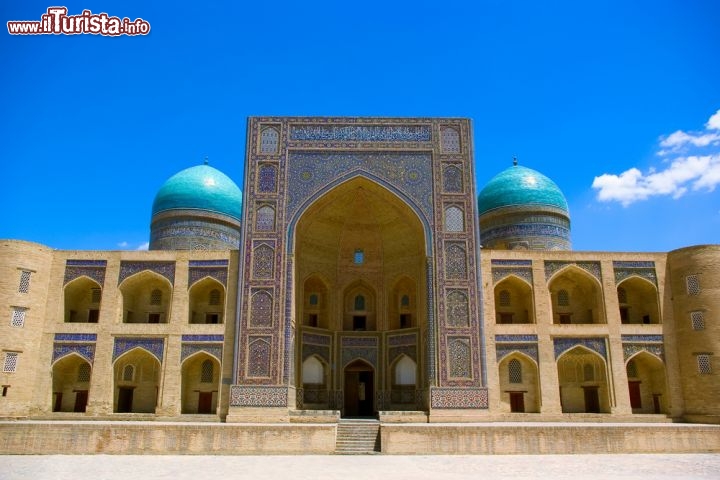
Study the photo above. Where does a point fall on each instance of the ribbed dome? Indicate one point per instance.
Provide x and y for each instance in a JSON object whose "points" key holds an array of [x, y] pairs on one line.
{"points": [[199, 188], [518, 186]]}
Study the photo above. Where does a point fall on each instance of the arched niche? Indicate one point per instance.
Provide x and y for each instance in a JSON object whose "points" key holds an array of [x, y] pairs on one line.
{"points": [[638, 301], [146, 298], [315, 304], [200, 384], [136, 376], [71, 377], [576, 297], [519, 384], [582, 375], [647, 385], [402, 304], [82, 298], [206, 302], [513, 301]]}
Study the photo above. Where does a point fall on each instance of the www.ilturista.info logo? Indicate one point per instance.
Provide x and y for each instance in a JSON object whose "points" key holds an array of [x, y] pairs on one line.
{"points": [[57, 22]]}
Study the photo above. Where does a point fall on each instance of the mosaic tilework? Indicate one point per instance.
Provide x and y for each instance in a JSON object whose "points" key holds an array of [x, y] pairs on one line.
{"points": [[365, 133], [258, 396], [642, 338], [261, 308], [128, 268], [459, 357], [633, 264], [511, 263], [454, 219], [430, 312], [203, 338], [189, 349], [188, 231], [85, 350], [398, 340], [368, 354], [316, 339], [449, 140], [198, 273], [321, 351], [501, 273], [359, 342], [75, 337], [265, 219], [526, 230], [502, 350], [455, 261], [593, 268], [460, 398], [630, 349], [516, 338], [310, 172], [623, 271], [394, 352], [155, 346], [452, 179], [208, 263], [458, 314], [259, 357], [269, 140], [79, 268], [563, 344], [267, 179], [263, 262]]}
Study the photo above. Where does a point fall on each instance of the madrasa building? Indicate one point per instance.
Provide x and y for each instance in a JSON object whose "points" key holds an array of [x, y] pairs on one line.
{"points": [[360, 275]]}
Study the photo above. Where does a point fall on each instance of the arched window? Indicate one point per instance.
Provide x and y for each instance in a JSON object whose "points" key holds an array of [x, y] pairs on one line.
{"points": [[269, 139], [313, 299], [207, 371], [563, 298], [405, 301], [128, 373], [405, 371], [83, 373], [313, 371], [214, 298], [156, 297], [359, 302], [504, 298], [514, 371], [452, 179], [589, 372]]}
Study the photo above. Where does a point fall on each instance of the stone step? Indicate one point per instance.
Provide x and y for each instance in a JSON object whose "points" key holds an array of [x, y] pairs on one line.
{"points": [[357, 437]]}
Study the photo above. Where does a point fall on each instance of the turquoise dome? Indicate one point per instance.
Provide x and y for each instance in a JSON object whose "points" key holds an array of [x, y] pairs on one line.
{"points": [[199, 188], [518, 186]]}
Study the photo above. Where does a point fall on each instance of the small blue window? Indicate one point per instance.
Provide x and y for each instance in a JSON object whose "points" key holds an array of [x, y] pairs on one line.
{"points": [[359, 257], [405, 301], [313, 299], [359, 302]]}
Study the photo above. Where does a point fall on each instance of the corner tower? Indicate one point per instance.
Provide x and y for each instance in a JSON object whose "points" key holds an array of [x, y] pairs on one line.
{"points": [[521, 208], [196, 209]]}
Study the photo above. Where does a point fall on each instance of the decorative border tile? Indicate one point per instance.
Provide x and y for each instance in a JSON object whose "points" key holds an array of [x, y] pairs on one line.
{"points": [[596, 344], [129, 268], [75, 337], [511, 263], [155, 346], [642, 338], [189, 349], [258, 396], [593, 268], [460, 398], [630, 349], [208, 263], [364, 133], [516, 338], [203, 338], [501, 273], [502, 350], [85, 350]]}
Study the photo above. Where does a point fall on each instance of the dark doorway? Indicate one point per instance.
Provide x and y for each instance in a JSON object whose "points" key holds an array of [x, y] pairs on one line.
{"points": [[125, 399], [656, 403], [57, 406], [635, 398], [81, 399], [592, 400], [359, 390], [205, 402], [517, 402]]}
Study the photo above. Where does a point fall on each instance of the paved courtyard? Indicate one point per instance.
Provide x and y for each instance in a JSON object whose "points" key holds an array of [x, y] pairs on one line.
{"points": [[318, 467]]}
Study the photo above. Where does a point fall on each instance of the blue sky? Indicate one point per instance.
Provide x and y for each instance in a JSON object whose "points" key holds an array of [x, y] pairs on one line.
{"points": [[612, 100]]}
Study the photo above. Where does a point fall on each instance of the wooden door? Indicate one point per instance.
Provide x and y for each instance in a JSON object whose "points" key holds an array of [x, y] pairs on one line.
{"points": [[125, 399], [592, 401], [205, 402], [81, 398], [635, 398], [517, 402]]}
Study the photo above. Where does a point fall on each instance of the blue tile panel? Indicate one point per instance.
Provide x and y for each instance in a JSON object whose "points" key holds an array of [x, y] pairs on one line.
{"points": [[596, 344], [75, 337], [153, 345], [203, 338], [362, 133]]}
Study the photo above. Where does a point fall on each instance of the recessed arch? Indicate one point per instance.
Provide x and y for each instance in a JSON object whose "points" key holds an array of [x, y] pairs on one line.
{"points": [[136, 305], [349, 178], [206, 301], [514, 301], [520, 390], [200, 384], [81, 299], [638, 301], [585, 303], [139, 394], [578, 392], [71, 376], [647, 383]]}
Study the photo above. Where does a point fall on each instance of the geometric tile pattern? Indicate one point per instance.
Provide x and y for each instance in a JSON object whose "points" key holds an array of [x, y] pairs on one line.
{"points": [[75, 337], [214, 350], [197, 273], [593, 268], [85, 350], [460, 398], [500, 273], [365, 133], [258, 396], [94, 269], [596, 344], [502, 350], [128, 268], [155, 346], [633, 344], [640, 269]]}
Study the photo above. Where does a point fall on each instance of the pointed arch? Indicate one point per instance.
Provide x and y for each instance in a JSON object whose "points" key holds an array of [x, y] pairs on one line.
{"points": [[81, 300], [136, 305], [583, 293], [206, 301], [71, 377], [200, 383]]}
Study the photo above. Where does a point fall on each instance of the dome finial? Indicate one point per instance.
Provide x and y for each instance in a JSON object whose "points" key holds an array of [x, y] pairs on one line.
{"points": [[514, 160], [206, 159]]}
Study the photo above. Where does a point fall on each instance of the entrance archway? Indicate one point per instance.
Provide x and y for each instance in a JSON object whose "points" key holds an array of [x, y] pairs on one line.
{"points": [[359, 390]]}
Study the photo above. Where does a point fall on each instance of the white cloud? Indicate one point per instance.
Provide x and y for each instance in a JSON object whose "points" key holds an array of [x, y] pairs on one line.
{"points": [[697, 171], [714, 122], [123, 244], [143, 246]]}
